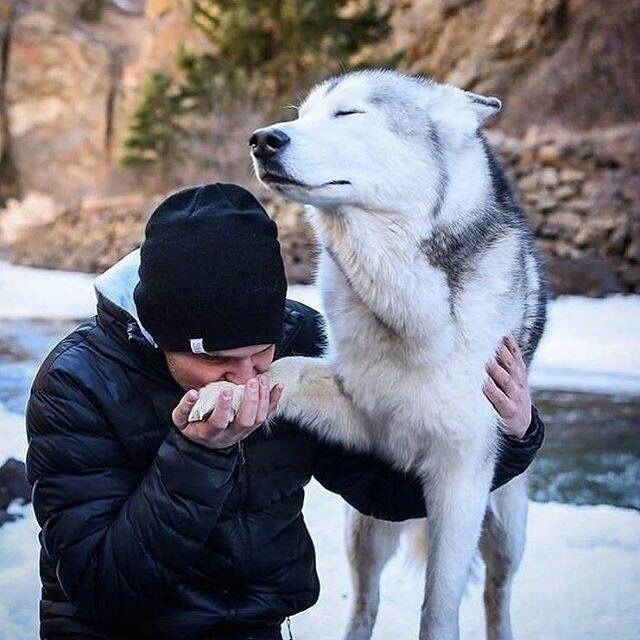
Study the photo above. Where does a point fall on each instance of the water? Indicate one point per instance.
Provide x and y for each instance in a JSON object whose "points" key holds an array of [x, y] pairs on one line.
{"points": [[591, 453]]}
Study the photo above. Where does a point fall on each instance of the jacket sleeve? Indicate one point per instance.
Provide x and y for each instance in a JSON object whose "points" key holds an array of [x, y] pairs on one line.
{"points": [[117, 537], [515, 454], [369, 484], [376, 489]]}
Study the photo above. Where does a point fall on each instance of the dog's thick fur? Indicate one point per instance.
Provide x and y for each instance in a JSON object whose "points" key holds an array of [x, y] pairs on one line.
{"points": [[426, 263]]}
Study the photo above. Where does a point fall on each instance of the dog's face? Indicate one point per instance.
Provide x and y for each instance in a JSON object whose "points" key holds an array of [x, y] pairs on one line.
{"points": [[377, 140]]}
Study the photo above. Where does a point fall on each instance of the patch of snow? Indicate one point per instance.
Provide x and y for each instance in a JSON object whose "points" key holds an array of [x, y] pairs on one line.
{"points": [[590, 345], [579, 578], [13, 439], [19, 580], [27, 292]]}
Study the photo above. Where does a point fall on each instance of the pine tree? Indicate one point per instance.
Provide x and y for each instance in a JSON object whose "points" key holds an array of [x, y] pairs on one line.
{"points": [[274, 48], [265, 51], [155, 130]]}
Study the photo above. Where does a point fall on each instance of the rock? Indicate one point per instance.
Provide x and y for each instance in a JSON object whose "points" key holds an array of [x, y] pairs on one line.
{"points": [[563, 249], [633, 250], [549, 177], [545, 201], [589, 236], [530, 182], [565, 191], [569, 176], [549, 155], [19, 216], [565, 220], [588, 276], [13, 483]]}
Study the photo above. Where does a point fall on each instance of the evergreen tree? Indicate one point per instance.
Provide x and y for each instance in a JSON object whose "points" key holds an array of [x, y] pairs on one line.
{"points": [[155, 130], [273, 48], [266, 51]]}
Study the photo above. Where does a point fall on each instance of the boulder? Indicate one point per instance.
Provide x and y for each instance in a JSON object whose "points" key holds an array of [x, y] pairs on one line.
{"points": [[588, 276]]}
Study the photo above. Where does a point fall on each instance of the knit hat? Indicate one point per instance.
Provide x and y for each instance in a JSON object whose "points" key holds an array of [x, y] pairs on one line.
{"points": [[211, 273]]}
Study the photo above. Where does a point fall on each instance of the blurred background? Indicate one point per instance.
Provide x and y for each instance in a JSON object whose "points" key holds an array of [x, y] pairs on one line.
{"points": [[106, 106]]}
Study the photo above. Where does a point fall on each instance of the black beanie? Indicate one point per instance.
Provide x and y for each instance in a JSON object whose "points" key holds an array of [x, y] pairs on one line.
{"points": [[211, 273]]}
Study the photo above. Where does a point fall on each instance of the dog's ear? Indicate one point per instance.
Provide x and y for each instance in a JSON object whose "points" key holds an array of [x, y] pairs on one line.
{"points": [[483, 106]]}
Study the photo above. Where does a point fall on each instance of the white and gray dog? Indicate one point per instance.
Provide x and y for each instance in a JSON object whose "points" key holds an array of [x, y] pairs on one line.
{"points": [[427, 262]]}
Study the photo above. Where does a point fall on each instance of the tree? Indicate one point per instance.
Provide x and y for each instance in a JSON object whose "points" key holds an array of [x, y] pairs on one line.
{"points": [[274, 48], [262, 51], [155, 129]]}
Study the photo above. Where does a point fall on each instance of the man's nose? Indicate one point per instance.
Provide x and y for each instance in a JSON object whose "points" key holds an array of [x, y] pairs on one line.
{"points": [[242, 372], [265, 143]]}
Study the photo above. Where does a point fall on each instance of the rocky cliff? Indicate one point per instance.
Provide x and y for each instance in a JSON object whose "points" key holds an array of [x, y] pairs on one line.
{"points": [[569, 133]]}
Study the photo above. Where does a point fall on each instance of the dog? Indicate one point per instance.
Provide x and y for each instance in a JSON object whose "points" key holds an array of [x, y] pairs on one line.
{"points": [[426, 262]]}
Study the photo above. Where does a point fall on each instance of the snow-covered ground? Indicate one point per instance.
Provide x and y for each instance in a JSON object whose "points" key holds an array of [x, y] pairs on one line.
{"points": [[580, 578]]}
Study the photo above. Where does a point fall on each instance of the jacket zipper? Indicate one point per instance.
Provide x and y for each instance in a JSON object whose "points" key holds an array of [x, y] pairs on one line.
{"points": [[242, 486]]}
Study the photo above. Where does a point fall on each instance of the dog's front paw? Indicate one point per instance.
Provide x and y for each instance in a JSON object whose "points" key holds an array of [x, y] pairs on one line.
{"points": [[208, 399]]}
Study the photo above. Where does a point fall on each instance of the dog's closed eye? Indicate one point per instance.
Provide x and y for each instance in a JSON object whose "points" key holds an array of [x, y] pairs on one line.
{"points": [[346, 112]]}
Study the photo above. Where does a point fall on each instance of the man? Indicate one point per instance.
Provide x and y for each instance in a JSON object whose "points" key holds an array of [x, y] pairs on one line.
{"points": [[153, 527]]}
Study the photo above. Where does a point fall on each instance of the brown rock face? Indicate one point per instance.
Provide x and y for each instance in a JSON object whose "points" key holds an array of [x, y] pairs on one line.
{"points": [[572, 63]]}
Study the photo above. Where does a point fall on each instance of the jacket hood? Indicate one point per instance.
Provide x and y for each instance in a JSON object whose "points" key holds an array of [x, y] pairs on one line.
{"points": [[116, 286]]}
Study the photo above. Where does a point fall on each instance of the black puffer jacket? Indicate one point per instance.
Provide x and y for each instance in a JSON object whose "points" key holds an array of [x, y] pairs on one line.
{"points": [[148, 535]]}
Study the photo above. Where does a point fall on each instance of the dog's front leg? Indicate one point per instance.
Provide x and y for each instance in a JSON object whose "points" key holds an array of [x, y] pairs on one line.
{"points": [[456, 503], [314, 398]]}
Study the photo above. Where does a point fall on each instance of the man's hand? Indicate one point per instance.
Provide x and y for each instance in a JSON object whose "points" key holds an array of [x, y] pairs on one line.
{"points": [[221, 429], [507, 388]]}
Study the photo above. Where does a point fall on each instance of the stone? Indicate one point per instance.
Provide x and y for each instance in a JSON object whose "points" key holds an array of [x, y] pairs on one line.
{"points": [[549, 177], [19, 216], [13, 483], [530, 182], [546, 202], [587, 276], [633, 250], [589, 235], [571, 176], [563, 249], [549, 155], [565, 220], [565, 191]]}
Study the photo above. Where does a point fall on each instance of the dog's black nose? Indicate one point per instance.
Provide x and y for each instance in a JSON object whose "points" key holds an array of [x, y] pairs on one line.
{"points": [[265, 143]]}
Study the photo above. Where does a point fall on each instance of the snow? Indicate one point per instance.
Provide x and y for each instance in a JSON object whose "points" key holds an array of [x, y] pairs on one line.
{"points": [[13, 442], [26, 292], [579, 578]]}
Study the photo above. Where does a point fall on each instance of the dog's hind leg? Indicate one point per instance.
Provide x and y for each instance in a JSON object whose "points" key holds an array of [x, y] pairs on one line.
{"points": [[502, 545], [370, 544]]}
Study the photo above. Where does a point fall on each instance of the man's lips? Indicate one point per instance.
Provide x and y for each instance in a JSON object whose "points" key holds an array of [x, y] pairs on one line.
{"points": [[276, 179]]}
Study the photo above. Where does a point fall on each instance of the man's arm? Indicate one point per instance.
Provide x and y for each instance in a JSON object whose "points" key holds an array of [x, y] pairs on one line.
{"points": [[117, 537], [374, 488]]}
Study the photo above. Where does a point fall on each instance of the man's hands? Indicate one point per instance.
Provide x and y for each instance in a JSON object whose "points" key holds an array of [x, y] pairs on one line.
{"points": [[507, 388], [221, 429]]}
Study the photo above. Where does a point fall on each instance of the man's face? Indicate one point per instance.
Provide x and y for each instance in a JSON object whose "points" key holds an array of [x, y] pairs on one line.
{"points": [[239, 365]]}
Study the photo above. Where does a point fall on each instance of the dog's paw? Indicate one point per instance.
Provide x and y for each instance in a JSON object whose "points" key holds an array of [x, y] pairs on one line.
{"points": [[208, 399]]}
